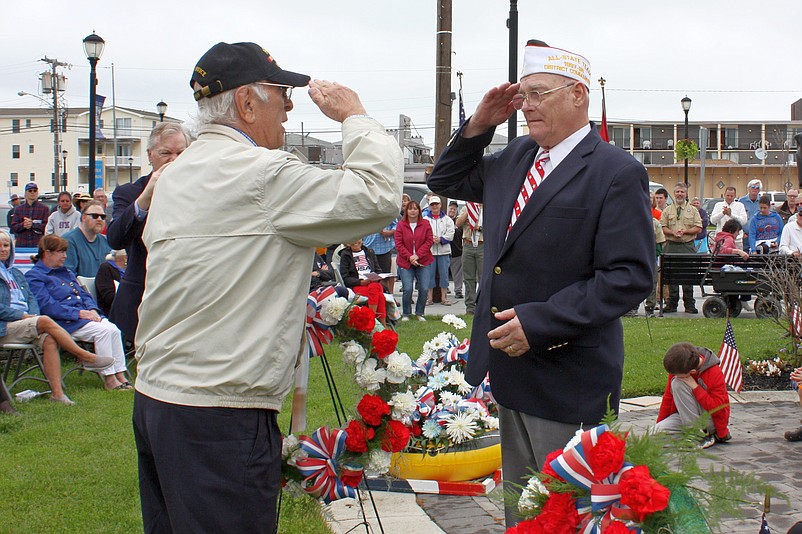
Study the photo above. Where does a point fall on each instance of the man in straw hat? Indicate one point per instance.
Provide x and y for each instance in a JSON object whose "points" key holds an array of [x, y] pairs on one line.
{"points": [[568, 249], [223, 314]]}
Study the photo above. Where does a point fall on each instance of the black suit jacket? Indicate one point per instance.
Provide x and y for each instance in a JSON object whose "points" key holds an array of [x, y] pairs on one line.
{"points": [[125, 231], [579, 256]]}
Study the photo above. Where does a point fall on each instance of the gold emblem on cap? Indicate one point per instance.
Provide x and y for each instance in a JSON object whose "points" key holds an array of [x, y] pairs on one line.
{"points": [[200, 71]]}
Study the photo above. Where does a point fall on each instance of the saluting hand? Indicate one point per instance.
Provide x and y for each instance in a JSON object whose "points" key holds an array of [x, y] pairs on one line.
{"points": [[495, 108]]}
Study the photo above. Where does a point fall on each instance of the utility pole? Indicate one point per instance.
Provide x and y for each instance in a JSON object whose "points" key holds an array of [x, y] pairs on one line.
{"points": [[442, 128], [512, 25], [55, 83]]}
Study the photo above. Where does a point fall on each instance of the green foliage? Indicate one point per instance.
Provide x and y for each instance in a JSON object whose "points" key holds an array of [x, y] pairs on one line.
{"points": [[686, 149]]}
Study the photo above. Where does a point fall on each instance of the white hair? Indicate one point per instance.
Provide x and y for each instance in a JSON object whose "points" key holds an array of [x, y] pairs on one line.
{"points": [[167, 128], [220, 108]]}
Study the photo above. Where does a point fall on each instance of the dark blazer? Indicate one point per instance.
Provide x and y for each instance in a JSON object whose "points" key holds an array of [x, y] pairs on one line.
{"points": [[579, 256], [348, 267], [125, 231]]}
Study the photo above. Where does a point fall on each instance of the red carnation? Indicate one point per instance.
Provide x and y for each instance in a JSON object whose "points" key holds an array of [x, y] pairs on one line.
{"points": [[396, 436], [547, 469], [350, 476], [643, 494], [607, 456], [384, 343], [357, 437], [559, 515], [362, 318], [416, 429], [530, 526], [372, 408], [617, 527]]}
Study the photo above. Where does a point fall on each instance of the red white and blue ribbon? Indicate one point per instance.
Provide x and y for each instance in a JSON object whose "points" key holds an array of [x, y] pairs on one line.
{"points": [[324, 446], [605, 494], [460, 352], [318, 333], [425, 401], [482, 391]]}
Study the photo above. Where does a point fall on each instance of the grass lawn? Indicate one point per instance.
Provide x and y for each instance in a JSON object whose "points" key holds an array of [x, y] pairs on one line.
{"points": [[73, 469]]}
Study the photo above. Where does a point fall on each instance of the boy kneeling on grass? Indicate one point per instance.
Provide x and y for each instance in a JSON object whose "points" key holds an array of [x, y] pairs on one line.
{"points": [[695, 386]]}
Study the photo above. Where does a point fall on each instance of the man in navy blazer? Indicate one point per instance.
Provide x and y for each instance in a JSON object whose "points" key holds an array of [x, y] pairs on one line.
{"points": [[131, 204], [559, 270]]}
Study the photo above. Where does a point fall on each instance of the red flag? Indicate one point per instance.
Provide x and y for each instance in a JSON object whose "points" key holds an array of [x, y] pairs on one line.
{"points": [[603, 131], [796, 321], [730, 360]]}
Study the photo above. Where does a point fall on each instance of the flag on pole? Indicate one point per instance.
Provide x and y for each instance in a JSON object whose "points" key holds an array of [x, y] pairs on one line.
{"points": [[603, 130], [731, 360], [764, 526], [462, 117], [796, 321]]}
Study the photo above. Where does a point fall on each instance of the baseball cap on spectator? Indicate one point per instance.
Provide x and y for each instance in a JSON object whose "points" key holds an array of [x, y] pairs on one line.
{"points": [[435, 200], [13, 197], [31, 185], [81, 196], [755, 183], [453, 203], [228, 66]]}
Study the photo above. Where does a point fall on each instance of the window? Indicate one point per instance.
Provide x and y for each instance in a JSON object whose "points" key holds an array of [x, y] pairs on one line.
{"points": [[30, 149], [14, 125], [14, 151], [27, 123], [621, 137], [124, 127], [32, 177], [14, 178], [125, 150], [729, 138]]}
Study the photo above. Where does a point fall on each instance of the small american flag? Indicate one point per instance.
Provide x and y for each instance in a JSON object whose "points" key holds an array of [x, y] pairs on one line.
{"points": [[473, 214], [731, 360], [796, 321], [764, 526]]}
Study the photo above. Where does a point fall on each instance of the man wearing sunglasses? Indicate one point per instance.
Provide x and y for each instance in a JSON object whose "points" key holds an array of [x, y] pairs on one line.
{"points": [[30, 218], [224, 309], [559, 271], [88, 246]]}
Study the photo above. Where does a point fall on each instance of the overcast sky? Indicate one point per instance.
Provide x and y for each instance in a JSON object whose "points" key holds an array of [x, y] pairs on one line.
{"points": [[737, 60]]}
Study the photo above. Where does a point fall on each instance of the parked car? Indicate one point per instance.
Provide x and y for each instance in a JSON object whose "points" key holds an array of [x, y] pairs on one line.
{"points": [[777, 198], [709, 203]]}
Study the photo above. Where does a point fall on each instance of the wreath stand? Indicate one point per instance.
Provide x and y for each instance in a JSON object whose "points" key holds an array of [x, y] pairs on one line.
{"points": [[339, 411]]}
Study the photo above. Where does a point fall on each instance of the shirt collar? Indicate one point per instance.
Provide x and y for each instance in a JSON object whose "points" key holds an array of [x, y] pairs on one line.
{"points": [[561, 150]]}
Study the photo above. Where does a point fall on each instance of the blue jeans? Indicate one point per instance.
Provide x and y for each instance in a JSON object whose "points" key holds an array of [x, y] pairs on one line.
{"points": [[408, 276], [441, 265]]}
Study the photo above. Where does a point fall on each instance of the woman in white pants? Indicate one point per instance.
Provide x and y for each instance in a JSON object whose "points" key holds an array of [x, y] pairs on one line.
{"points": [[63, 299]]}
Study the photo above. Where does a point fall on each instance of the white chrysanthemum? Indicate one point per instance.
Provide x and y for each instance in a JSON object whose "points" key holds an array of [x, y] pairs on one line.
{"points": [[368, 377], [461, 427], [353, 352], [288, 445], [404, 405], [490, 422], [454, 321], [332, 310], [437, 382], [441, 341], [399, 367], [527, 504], [456, 378], [449, 399], [431, 429], [576, 440], [378, 463]]}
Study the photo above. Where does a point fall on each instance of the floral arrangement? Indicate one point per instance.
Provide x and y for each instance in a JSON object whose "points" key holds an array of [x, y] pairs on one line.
{"points": [[771, 367], [424, 402], [606, 481]]}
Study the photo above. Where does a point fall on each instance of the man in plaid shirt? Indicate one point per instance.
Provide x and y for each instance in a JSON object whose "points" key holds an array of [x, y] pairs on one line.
{"points": [[30, 218]]}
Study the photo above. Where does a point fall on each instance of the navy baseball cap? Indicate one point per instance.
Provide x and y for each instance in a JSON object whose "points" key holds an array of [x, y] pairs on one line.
{"points": [[228, 66], [31, 185]]}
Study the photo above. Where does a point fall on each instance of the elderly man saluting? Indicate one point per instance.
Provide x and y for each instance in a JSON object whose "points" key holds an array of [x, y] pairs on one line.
{"points": [[223, 313], [559, 271]]}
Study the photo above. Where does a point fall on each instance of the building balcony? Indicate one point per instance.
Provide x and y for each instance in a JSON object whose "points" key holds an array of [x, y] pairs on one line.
{"points": [[108, 161]]}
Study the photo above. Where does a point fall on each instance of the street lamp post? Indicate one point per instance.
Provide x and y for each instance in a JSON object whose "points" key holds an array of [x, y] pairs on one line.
{"points": [[93, 47], [64, 171], [686, 107], [161, 107], [130, 169]]}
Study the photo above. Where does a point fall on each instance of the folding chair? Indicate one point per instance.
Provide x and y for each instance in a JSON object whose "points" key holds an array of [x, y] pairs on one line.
{"points": [[25, 359]]}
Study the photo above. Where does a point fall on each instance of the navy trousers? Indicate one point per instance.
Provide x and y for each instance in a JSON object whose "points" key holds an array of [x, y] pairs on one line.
{"points": [[206, 469]]}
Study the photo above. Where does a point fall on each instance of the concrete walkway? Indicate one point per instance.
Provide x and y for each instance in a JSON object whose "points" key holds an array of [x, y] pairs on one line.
{"points": [[757, 424]]}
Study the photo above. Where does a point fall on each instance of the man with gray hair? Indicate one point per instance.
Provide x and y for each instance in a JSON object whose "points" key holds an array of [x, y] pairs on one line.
{"points": [[131, 204], [222, 319]]}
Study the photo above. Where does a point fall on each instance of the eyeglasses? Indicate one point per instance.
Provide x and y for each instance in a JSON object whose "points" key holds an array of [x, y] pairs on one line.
{"points": [[34, 190], [534, 98], [97, 216], [286, 91]]}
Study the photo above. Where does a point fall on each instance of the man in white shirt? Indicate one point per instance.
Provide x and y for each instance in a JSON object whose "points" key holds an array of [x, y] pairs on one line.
{"points": [[791, 238], [728, 209]]}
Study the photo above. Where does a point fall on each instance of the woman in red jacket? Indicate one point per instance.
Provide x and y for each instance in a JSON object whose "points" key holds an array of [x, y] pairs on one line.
{"points": [[413, 242]]}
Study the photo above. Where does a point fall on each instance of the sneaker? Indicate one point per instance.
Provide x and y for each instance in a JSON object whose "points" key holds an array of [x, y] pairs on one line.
{"points": [[420, 317], [100, 363], [459, 295], [405, 318], [794, 435], [707, 441], [725, 439], [692, 311]]}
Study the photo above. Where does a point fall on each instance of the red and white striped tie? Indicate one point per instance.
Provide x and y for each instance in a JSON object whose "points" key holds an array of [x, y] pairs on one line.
{"points": [[529, 186]]}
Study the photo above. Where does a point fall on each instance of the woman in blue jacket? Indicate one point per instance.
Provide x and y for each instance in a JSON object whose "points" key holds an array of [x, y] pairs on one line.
{"points": [[20, 322], [765, 229], [61, 297]]}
